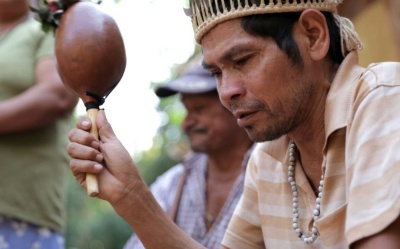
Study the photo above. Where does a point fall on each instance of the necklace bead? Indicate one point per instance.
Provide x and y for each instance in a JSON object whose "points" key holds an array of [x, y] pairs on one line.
{"points": [[316, 212]]}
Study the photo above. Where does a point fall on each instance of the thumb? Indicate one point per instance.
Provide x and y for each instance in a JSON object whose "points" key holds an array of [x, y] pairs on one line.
{"points": [[104, 127]]}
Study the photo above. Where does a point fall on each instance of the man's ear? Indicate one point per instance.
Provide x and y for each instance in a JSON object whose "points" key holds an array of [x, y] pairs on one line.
{"points": [[312, 24]]}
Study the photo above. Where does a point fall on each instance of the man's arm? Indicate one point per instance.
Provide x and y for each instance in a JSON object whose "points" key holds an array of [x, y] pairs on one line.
{"points": [[121, 185]]}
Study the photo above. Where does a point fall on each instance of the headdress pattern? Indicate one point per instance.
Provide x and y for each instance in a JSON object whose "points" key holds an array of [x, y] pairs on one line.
{"points": [[206, 14]]}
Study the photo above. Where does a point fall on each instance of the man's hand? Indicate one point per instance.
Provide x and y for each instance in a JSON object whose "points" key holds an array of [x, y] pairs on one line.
{"points": [[107, 158]]}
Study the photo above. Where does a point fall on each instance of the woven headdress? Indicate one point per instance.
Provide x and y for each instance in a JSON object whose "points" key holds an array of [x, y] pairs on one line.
{"points": [[206, 14]]}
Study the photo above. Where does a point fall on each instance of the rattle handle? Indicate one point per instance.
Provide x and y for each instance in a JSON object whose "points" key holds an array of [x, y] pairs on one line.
{"points": [[91, 179]]}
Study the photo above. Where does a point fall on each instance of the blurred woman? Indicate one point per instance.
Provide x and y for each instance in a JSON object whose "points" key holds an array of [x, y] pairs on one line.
{"points": [[35, 112]]}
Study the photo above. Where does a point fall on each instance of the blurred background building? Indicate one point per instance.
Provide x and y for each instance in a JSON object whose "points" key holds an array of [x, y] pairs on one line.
{"points": [[378, 24]]}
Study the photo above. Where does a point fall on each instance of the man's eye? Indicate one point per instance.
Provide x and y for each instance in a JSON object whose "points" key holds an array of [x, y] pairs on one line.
{"points": [[242, 61], [216, 74]]}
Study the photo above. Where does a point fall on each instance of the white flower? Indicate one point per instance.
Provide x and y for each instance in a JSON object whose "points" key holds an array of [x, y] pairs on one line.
{"points": [[44, 232], [36, 245], [20, 227], [3, 243]]}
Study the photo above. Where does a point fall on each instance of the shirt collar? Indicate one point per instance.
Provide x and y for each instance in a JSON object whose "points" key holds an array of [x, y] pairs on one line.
{"points": [[339, 99]]}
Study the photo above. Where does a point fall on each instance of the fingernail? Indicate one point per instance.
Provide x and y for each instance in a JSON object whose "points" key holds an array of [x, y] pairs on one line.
{"points": [[99, 157], [97, 166], [85, 123]]}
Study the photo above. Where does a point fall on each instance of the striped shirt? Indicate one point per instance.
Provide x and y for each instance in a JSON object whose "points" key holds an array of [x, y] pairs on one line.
{"points": [[190, 216], [361, 192]]}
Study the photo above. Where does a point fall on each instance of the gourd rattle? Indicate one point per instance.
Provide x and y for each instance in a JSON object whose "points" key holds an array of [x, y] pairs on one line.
{"points": [[91, 60]]}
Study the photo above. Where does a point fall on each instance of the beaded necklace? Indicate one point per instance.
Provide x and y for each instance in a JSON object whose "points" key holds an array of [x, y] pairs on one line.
{"points": [[314, 231]]}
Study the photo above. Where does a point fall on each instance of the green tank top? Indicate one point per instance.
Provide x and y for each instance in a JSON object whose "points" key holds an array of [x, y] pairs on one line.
{"points": [[34, 164]]}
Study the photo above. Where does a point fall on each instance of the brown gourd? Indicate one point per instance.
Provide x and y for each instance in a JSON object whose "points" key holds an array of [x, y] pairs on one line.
{"points": [[91, 60]]}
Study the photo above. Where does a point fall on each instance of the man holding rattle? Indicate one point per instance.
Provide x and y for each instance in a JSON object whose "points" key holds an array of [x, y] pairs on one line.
{"points": [[327, 173]]}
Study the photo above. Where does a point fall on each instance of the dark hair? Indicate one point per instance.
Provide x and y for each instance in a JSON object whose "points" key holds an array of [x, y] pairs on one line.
{"points": [[278, 26]]}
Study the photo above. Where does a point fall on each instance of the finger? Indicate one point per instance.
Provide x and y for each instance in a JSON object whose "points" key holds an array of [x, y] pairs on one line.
{"points": [[79, 167], [106, 132], [84, 123], [83, 137], [83, 152], [81, 179]]}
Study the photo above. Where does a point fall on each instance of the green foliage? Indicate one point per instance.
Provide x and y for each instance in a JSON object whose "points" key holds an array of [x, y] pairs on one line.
{"points": [[186, 4], [169, 144], [92, 223]]}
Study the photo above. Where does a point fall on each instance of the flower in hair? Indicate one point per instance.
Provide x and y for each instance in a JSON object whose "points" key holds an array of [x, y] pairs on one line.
{"points": [[49, 12]]}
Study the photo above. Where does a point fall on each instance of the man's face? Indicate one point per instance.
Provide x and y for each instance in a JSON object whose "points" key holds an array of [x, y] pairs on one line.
{"points": [[257, 82], [208, 125]]}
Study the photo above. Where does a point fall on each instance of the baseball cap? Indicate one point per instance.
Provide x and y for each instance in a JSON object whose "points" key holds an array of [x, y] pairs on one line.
{"points": [[195, 80]]}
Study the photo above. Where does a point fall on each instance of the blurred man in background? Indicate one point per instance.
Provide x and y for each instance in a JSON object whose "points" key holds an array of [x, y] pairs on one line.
{"points": [[201, 193]]}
